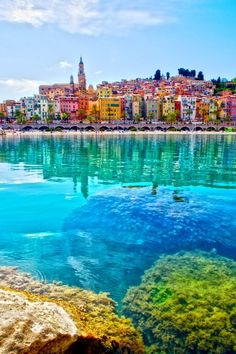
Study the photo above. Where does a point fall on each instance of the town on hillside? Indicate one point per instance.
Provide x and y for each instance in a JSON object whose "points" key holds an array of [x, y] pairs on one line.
{"points": [[186, 97]]}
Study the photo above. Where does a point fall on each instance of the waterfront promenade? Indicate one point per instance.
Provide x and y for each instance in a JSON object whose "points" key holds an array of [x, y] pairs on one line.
{"points": [[109, 127]]}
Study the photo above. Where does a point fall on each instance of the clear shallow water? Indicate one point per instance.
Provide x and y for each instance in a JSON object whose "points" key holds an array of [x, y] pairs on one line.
{"points": [[98, 211]]}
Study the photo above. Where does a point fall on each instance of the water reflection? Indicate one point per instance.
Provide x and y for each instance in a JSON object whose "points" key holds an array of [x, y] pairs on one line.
{"points": [[163, 160], [97, 211]]}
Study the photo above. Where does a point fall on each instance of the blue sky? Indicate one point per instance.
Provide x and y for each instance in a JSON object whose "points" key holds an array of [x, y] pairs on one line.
{"points": [[41, 41]]}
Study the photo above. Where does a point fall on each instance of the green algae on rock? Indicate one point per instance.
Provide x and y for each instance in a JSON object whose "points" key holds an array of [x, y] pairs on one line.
{"points": [[99, 329], [186, 303]]}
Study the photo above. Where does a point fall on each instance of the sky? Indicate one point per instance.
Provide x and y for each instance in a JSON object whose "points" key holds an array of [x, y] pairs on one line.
{"points": [[41, 41]]}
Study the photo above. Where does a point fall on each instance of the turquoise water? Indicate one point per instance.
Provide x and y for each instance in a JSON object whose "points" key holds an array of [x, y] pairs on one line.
{"points": [[96, 212]]}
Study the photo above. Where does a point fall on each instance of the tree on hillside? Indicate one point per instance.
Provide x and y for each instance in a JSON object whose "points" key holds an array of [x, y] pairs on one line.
{"points": [[187, 72], [157, 75], [200, 76]]}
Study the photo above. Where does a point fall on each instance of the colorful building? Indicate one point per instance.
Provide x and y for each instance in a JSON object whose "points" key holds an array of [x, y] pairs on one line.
{"points": [[110, 109], [152, 109], [69, 105], [167, 105], [104, 92]]}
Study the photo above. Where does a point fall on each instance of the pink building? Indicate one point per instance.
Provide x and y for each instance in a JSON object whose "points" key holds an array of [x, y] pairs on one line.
{"points": [[69, 105], [232, 107]]}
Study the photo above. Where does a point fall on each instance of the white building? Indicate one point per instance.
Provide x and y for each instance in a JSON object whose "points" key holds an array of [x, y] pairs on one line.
{"points": [[188, 109]]}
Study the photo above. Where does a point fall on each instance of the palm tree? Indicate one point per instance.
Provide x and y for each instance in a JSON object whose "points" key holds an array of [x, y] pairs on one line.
{"points": [[81, 115], [137, 118], [109, 112], [150, 117], [91, 119], [50, 113], [35, 118], [189, 113], [65, 116], [20, 117], [95, 113], [171, 117], [1, 116]]}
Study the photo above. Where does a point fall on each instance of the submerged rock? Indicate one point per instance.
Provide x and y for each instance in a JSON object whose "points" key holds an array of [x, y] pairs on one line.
{"points": [[52, 318], [186, 303]]}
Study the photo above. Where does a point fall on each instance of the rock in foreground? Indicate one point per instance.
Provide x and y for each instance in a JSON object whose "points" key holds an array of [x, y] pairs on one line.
{"points": [[43, 318], [33, 327]]}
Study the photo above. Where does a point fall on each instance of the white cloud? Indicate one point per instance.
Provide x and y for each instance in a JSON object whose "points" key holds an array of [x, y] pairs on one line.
{"points": [[65, 65], [98, 72], [90, 17], [16, 88]]}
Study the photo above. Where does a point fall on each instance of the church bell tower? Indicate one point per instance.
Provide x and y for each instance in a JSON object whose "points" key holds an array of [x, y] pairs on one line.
{"points": [[81, 76]]}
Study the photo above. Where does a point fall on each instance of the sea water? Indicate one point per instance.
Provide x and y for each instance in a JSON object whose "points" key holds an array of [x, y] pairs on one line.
{"points": [[97, 211]]}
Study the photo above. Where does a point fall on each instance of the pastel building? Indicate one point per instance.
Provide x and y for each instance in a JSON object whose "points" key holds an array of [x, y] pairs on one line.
{"points": [[3, 109], [83, 104], [137, 106], [69, 105], [188, 108], [167, 105], [152, 109], [213, 109], [104, 92], [110, 109], [128, 107]]}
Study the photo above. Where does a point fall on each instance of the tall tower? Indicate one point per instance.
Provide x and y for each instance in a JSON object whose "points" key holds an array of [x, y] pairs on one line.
{"points": [[81, 76]]}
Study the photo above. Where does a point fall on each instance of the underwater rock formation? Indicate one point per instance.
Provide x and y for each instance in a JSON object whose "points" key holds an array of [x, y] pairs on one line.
{"points": [[186, 303], [88, 322]]}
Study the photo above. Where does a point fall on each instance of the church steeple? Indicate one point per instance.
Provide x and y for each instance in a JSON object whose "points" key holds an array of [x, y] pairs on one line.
{"points": [[81, 76], [71, 80]]}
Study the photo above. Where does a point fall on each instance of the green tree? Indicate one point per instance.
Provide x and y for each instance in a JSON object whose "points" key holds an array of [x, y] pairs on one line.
{"points": [[95, 113], [35, 118], [157, 75], [2, 116], [50, 112], [82, 115], [109, 112], [150, 117], [137, 118], [171, 117], [65, 117], [20, 117], [91, 119]]}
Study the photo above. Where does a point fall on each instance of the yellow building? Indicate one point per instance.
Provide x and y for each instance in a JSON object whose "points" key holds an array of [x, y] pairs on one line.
{"points": [[3, 109], [110, 109], [104, 92], [168, 105], [137, 106]]}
